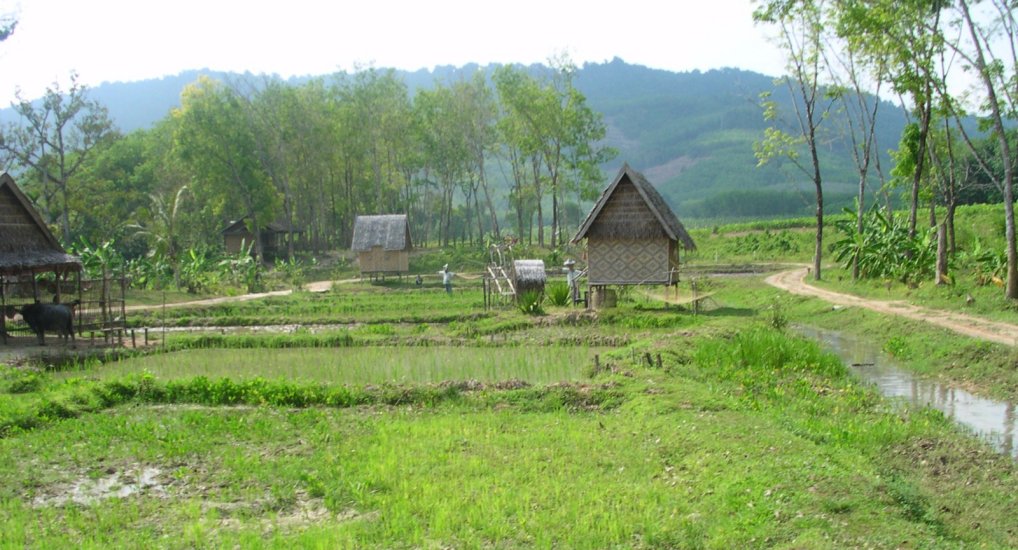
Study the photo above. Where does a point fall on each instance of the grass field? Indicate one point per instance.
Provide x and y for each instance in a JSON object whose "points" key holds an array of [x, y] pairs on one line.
{"points": [[360, 364], [428, 422]]}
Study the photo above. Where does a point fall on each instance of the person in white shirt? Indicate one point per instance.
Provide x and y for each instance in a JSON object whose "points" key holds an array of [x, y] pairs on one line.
{"points": [[447, 278]]}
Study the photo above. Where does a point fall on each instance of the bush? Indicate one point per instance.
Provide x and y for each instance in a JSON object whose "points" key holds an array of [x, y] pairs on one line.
{"points": [[557, 293], [529, 302]]}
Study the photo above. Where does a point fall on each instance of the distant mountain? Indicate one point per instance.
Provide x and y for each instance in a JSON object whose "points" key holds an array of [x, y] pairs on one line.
{"points": [[690, 133]]}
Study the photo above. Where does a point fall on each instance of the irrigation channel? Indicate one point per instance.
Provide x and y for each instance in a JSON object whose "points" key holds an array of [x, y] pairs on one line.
{"points": [[995, 421]]}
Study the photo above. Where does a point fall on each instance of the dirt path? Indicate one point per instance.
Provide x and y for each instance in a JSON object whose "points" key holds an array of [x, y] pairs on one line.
{"points": [[1002, 333], [318, 286]]}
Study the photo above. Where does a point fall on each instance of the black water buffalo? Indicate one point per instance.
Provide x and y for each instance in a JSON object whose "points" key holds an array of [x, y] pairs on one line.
{"points": [[49, 317]]}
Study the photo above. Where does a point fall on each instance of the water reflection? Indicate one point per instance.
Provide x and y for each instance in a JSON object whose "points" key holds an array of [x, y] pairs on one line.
{"points": [[993, 420]]}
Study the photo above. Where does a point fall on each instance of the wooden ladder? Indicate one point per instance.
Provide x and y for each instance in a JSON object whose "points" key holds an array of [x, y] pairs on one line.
{"points": [[503, 284]]}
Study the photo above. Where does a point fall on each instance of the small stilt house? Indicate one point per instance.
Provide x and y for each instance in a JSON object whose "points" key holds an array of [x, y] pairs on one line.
{"points": [[382, 244], [633, 237], [28, 248]]}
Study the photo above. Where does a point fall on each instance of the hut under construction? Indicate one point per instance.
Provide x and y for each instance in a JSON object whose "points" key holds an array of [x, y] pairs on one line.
{"points": [[382, 244], [633, 237], [528, 275]]}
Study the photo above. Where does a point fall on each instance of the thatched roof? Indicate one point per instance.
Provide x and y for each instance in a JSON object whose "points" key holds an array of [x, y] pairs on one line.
{"points": [[390, 231], [637, 211], [239, 227], [26, 243], [529, 272]]}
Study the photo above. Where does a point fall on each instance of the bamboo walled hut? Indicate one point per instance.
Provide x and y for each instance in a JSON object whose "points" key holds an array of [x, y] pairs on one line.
{"points": [[236, 236], [633, 237], [382, 244], [528, 275], [28, 248]]}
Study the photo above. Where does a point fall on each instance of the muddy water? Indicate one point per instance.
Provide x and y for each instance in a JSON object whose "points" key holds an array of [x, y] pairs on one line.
{"points": [[993, 420]]}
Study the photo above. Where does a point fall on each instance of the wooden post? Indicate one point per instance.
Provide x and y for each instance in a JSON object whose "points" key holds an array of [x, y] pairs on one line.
{"points": [[659, 360], [650, 363], [3, 314], [123, 300], [597, 363], [696, 302], [104, 305], [134, 343], [146, 337]]}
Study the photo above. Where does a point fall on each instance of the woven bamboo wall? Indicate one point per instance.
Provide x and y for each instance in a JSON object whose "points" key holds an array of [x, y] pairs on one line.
{"points": [[377, 260], [631, 261], [18, 231]]}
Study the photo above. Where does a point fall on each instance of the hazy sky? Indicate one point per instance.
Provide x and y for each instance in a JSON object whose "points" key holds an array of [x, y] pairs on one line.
{"points": [[125, 40]]}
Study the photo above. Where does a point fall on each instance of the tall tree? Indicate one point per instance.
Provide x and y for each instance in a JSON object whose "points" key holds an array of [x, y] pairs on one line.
{"points": [[903, 38], [446, 149], [479, 104], [54, 138], [800, 25], [550, 121], [998, 78], [216, 140], [859, 96]]}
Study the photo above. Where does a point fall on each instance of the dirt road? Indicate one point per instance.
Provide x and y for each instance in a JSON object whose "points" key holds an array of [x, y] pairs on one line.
{"points": [[318, 286], [1002, 333]]}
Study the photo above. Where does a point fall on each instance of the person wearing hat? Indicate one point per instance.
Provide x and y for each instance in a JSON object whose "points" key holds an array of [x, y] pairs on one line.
{"points": [[573, 278], [447, 278]]}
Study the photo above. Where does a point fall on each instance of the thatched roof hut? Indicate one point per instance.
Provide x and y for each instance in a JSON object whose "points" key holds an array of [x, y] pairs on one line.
{"points": [[528, 275], [382, 243], [26, 243], [237, 235], [632, 235]]}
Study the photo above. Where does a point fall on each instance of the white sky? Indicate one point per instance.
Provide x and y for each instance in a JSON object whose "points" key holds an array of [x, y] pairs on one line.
{"points": [[127, 40]]}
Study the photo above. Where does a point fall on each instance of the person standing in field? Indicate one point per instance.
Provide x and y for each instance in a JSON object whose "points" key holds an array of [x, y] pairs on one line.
{"points": [[447, 278]]}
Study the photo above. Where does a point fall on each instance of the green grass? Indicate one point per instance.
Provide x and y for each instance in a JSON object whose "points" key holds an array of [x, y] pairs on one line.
{"points": [[360, 302], [431, 423], [359, 365], [758, 440]]}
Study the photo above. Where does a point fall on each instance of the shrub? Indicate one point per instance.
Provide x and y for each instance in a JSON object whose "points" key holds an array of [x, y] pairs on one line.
{"points": [[529, 302], [557, 293]]}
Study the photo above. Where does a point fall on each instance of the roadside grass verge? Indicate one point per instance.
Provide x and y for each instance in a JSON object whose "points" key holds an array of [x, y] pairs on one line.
{"points": [[986, 301]]}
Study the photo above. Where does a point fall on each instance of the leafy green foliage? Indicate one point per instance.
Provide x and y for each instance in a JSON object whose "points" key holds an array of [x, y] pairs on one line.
{"points": [[529, 302], [884, 249], [557, 293]]}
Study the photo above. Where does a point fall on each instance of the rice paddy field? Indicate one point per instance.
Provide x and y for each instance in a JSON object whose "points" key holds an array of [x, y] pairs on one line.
{"points": [[396, 417], [360, 364]]}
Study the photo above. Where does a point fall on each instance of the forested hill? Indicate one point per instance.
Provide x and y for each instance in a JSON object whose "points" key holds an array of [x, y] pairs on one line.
{"points": [[691, 133]]}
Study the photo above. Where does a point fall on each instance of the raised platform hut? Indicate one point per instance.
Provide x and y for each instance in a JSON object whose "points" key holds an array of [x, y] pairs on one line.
{"points": [[27, 249], [528, 276], [633, 237], [382, 244]]}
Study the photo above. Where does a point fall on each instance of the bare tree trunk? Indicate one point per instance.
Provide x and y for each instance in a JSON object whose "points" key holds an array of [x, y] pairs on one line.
{"points": [[540, 209], [1006, 159], [942, 254], [920, 161]]}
